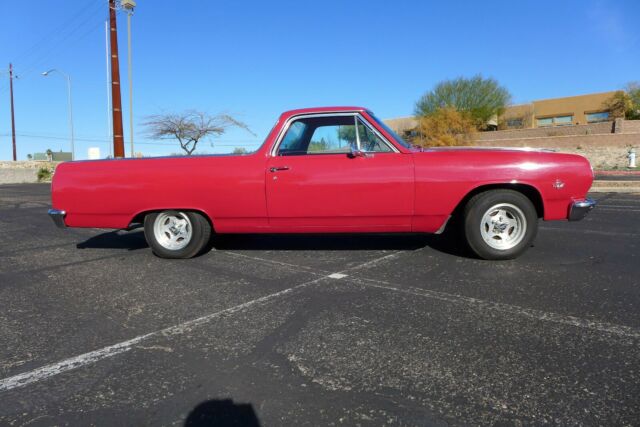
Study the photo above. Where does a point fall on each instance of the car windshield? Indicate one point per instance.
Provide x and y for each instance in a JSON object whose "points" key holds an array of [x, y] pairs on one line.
{"points": [[390, 131]]}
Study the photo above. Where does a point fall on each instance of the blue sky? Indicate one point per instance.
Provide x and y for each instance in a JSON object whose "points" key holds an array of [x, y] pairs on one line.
{"points": [[255, 59]]}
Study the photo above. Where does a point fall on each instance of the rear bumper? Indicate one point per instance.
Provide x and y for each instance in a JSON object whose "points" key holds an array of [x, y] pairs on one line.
{"points": [[580, 208], [58, 217]]}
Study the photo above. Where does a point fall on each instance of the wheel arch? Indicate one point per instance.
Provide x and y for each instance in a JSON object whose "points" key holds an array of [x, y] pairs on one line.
{"points": [[531, 192], [138, 218]]}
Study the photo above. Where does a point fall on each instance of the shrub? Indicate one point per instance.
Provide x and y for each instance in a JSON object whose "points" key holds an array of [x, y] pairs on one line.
{"points": [[44, 174], [445, 127]]}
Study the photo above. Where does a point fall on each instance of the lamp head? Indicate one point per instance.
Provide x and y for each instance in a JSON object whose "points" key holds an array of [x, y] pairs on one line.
{"points": [[128, 4]]}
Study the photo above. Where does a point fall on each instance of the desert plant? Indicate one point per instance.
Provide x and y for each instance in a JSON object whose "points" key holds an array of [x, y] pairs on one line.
{"points": [[44, 174], [445, 127]]}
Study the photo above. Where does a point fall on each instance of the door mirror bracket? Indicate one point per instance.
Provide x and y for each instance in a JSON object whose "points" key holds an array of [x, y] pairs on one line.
{"points": [[357, 153]]}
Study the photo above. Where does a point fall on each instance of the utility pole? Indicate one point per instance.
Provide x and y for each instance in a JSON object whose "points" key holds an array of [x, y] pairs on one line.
{"points": [[107, 63], [13, 120], [118, 139]]}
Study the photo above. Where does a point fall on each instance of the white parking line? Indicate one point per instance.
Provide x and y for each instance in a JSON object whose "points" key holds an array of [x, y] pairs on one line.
{"points": [[617, 209], [92, 357], [587, 231], [610, 328]]}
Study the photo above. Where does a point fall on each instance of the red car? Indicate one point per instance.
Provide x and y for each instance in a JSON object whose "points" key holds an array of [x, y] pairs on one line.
{"points": [[328, 170]]}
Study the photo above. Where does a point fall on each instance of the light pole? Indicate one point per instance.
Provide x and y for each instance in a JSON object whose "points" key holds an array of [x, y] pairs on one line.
{"points": [[45, 74], [129, 6]]}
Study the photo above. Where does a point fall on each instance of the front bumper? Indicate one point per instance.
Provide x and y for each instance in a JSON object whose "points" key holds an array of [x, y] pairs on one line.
{"points": [[580, 208], [58, 217]]}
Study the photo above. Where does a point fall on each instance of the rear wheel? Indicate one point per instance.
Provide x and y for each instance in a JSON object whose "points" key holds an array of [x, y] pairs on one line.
{"points": [[500, 224], [176, 234]]}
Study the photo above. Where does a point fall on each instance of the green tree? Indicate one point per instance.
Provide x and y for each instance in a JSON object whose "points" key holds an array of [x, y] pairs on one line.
{"points": [[625, 103], [633, 92], [480, 98]]}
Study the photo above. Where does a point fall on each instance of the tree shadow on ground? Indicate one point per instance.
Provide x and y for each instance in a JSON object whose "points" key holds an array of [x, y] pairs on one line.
{"points": [[222, 413], [449, 243]]}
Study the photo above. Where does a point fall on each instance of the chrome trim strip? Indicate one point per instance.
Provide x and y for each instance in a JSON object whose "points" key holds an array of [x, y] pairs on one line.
{"points": [[58, 217], [356, 114], [443, 226], [580, 209]]}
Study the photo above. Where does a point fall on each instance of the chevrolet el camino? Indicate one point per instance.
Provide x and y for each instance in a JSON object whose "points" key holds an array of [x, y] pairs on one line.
{"points": [[328, 170]]}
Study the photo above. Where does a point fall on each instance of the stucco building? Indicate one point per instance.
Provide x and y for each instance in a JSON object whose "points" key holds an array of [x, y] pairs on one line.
{"points": [[567, 111], [570, 110]]}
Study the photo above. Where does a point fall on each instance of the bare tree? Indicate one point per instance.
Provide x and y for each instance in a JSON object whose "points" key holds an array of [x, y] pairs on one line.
{"points": [[190, 127]]}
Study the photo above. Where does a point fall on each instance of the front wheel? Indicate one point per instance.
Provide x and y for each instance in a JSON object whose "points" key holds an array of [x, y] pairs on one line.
{"points": [[500, 224], [176, 234]]}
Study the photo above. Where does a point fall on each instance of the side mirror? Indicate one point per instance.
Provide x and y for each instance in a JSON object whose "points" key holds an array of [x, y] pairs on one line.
{"points": [[356, 153]]}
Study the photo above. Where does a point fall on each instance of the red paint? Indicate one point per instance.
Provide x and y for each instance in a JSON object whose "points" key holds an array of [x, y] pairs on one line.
{"points": [[413, 190]]}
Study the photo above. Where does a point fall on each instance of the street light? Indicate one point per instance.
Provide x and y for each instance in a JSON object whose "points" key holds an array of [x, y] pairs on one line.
{"points": [[45, 74], [129, 6]]}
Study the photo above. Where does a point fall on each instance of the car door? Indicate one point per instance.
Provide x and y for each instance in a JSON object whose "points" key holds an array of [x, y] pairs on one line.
{"points": [[333, 173]]}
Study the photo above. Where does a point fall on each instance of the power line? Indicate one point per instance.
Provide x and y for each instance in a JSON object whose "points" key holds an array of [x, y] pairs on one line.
{"points": [[52, 34], [91, 139]]}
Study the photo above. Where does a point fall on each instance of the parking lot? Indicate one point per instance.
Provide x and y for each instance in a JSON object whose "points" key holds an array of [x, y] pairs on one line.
{"points": [[318, 330]]}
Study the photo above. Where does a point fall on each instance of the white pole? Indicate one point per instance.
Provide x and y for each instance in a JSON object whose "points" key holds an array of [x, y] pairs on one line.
{"points": [[73, 149], [106, 49], [130, 83]]}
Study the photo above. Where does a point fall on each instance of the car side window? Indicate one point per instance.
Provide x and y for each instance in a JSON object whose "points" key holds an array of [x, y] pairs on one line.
{"points": [[332, 139], [319, 135], [291, 142], [330, 135], [370, 141]]}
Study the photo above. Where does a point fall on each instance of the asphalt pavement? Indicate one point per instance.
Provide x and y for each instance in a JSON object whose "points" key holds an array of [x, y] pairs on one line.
{"points": [[318, 330]]}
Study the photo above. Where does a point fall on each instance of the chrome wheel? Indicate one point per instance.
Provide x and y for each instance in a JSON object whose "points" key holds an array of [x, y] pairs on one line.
{"points": [[503, 226], [173, 230]]}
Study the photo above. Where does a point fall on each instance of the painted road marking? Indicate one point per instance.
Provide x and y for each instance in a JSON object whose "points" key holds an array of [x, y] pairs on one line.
{"points": [[92, 357], [626, 331], [337, 276]]}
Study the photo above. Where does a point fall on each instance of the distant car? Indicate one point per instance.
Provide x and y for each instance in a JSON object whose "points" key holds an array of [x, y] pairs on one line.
{"points": [[328, 170]]}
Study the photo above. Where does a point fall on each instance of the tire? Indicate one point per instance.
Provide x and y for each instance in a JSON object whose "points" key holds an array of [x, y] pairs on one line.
{"points": [[500, 224], [176, 234]]}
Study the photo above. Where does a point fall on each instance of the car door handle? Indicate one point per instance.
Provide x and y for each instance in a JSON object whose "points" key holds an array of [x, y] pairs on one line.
{"points": [[278, 168]]}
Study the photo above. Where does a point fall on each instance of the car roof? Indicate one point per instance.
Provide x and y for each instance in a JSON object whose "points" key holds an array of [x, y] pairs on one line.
{"points": [[312, 110]]}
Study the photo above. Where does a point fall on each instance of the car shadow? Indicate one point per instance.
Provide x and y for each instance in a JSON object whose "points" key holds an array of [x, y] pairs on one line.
{"points": [[449, 242], [115, 240], [222, 413]]}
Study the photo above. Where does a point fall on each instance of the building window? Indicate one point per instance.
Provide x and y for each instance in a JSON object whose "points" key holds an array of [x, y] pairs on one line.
{"points": [[515, 123], [562, 120], [546, 122], [554, 121], [602, 116]]}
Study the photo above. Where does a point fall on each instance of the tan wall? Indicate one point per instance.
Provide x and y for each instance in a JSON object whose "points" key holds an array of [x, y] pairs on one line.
{"points": [[603, 151], [402, 124], [592, 129]]}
